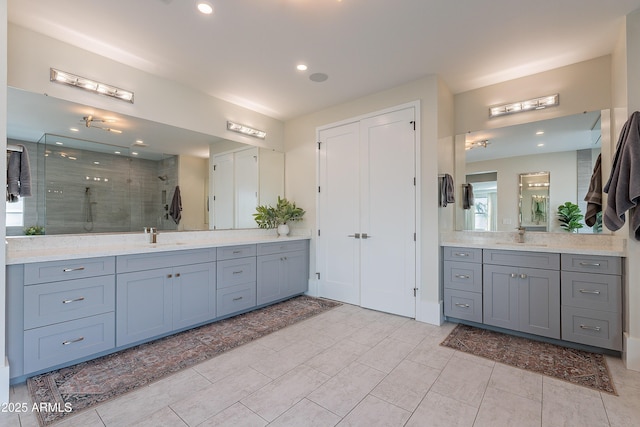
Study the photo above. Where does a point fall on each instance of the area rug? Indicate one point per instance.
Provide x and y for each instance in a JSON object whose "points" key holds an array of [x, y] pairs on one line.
{"points": [[575, 366], [89, 383]]}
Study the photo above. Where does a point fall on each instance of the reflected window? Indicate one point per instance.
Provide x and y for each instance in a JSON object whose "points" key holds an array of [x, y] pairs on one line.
{"points": [[483, 215], [15, 213]]}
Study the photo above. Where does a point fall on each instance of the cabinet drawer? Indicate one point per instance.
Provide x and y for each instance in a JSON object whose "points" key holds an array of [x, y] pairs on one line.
{"points": [[236, 271], [231, 252], [150, 261], [52, 345], [462, 254], [592, 263], [54, 271], [463, 305], [236, 298], [592, 327], [279, 247], [592, 291], [464, 276], [50, 303], [547, 261]]}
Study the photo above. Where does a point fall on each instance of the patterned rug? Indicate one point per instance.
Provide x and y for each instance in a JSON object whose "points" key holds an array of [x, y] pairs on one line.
{"points": [[96, 381], [575, 366]]}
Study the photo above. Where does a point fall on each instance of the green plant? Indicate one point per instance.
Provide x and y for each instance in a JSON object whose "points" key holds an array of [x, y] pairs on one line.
{"points": [[569, 216], [283, 213], [34, 230]]}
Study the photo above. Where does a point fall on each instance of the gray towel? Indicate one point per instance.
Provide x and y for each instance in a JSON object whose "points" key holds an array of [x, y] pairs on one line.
{"points": [[19, 174], [176, 206], [467, 196], [623, 186], [447, 191], [594, 195]]}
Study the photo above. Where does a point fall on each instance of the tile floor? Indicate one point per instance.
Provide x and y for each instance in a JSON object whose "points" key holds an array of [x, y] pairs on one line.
{"points": [[357, 367]]}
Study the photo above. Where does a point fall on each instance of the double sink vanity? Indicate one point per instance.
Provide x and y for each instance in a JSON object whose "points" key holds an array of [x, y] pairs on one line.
{"points": [[86, 296], [561, 287]]}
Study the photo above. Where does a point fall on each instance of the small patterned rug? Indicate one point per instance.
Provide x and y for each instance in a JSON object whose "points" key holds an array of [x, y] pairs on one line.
{"points": [[575, 366], [89, 383]]}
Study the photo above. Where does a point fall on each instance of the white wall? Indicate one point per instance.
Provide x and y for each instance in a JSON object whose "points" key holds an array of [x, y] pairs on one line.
{"points": [[436, 125], [193, 192], [563, 173], [4, 363]]}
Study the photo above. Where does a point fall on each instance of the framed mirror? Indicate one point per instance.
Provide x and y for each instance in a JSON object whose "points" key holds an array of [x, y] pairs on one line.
{"points": [[533, 201]]}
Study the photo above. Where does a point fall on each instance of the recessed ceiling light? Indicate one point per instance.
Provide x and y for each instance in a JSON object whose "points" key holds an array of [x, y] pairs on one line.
{"points": [[541, 145], [301, 67], [134, 153], [117, 152], [96, 163], [73, 129], [205, 7], [540, 132], [59, 143]]}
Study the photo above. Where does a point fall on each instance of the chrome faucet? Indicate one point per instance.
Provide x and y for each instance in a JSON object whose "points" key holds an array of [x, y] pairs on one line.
{"points": [[521, 231], [151, 234]]}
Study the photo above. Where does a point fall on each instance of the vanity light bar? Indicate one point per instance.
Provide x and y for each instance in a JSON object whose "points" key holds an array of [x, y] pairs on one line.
{"points": [[237, 127], [530, 104], [70, 79]]}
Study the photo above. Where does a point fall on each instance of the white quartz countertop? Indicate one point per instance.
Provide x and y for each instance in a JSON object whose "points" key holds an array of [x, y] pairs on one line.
{"points": [[539, 242], [56, 248]]}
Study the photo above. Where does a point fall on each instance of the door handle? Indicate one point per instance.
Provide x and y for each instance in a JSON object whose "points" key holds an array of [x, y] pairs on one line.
{"points": [[366, 236], [357, 235]]}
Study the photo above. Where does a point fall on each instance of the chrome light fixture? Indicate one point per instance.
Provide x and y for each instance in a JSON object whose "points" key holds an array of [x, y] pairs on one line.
{"points": [[237, 127], [470, 145], [530, 104], [69, 79]]}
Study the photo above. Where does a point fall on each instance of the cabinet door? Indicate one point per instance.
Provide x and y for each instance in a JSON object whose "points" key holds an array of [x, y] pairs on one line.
{"points": [[194, 294], [143, 305], [270, 274], [296, 278], [539, 302], [500, 296]]}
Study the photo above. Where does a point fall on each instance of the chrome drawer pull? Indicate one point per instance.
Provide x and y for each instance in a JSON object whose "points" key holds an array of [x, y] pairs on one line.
{"points": [[513, 275], [523, 276], [462, 305], [462, 276], [460, 254], [67, 270], [591, 264], [69, 301], [590, 328], [237, 299], [237, 252], [238, 272], [585, 291], [72, 341]]}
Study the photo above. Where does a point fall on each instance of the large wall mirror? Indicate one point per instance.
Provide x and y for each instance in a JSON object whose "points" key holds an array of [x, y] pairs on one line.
{"points": [[553, 158], [95, 171]]}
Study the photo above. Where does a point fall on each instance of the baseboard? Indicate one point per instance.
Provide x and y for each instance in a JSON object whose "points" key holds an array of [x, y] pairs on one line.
{"points": [[430, 312], [631, 353], [4, 382]]}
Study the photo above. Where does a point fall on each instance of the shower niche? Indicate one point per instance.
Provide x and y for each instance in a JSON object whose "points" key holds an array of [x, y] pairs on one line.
{"points": [[88, 187]]}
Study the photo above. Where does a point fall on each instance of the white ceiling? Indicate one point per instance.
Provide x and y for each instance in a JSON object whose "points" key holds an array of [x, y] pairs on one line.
{"points": [[247, 50]]}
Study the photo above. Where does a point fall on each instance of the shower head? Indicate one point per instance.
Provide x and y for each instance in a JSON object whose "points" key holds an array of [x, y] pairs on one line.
{"points": [[163, 178]]}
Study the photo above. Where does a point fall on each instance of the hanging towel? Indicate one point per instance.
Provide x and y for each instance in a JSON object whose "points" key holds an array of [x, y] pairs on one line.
{"points": [[623, 186], [18, 174], [467, 196], [447, 190], [594, 194], [176, 206]]}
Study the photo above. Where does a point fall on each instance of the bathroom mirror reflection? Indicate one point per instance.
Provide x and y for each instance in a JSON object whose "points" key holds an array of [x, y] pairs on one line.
{"points": [[533, 201], [565, 147], [94, 171]]}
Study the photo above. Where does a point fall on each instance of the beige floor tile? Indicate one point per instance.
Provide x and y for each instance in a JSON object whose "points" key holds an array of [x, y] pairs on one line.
{"points": [[372, 334], [464, 380], [501, 408], [413, 332], [437, 410], [277, 397], [165, 417], [308, 414], [387, 354], [406, 385], [233, 361], [517, 381], [621, 375], [566, 404], [336, 358], [288, 358], [209, 401], [430, 353], [623, 410], [142, 403], [344, 391], [237, 415], [9, 419], [375, 412]]}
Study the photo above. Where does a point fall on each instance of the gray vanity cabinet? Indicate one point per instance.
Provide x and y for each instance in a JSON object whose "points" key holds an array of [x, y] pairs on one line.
{"points": [[462, 279], [236, 279], [282, 269], [521, 298], [172, 291]]}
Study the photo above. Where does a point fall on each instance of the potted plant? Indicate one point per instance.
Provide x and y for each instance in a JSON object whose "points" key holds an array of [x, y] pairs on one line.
{"points": [[569, 216], [278, 216], [34, 230]]}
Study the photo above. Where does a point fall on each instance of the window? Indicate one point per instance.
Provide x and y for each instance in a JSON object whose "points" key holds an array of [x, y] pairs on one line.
{"points": [[15, 213]]}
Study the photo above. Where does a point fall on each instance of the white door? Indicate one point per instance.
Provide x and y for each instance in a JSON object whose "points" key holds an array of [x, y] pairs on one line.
{"points": [[387, 224], [223, 191], [366, 247], [339, 214], [246, 178]]}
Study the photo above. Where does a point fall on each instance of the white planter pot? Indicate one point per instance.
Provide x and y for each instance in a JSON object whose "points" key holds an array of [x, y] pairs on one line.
{"points": [[283, 229]]}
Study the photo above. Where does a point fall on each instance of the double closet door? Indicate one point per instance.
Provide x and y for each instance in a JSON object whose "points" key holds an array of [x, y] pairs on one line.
{"points": [[367, 205]]}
